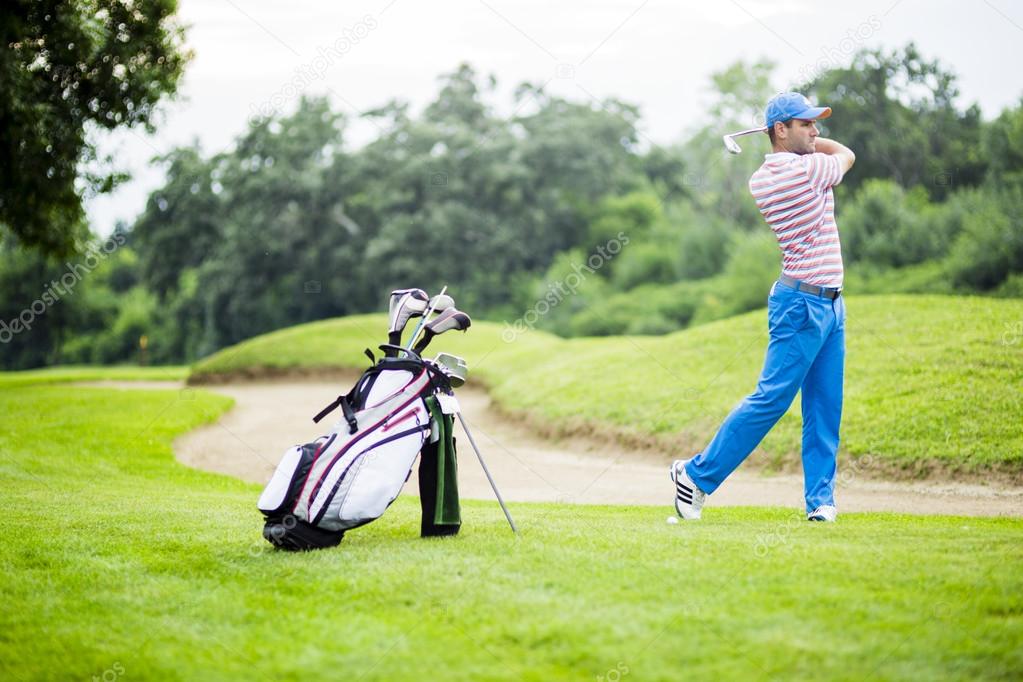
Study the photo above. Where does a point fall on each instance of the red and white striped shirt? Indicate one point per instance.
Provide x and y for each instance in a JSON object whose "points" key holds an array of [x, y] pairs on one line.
{"points": [[793, 193]]}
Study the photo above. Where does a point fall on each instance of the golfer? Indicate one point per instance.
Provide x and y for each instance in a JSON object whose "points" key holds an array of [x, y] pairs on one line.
{"points": [[805, 315]]}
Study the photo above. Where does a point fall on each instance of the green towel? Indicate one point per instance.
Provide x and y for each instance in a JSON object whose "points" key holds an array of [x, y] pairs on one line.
{"points": [[438, 478]]}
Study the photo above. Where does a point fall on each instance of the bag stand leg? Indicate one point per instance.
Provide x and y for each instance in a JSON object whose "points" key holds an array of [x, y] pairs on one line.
{"points": [[490, 478]]}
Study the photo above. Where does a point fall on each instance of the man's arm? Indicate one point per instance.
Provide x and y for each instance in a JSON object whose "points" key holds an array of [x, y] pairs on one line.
{"points": [[846, 158]]}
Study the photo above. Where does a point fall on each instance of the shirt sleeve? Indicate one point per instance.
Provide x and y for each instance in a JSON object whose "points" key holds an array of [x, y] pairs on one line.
{"points": [[823, 171]]}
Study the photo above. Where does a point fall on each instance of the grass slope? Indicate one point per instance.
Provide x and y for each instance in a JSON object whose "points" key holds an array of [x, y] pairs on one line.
{"points": [[117, 562], [929, 379]]}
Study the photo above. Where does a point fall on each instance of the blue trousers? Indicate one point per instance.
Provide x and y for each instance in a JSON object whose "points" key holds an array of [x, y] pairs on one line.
{"points": [[806, 352]]}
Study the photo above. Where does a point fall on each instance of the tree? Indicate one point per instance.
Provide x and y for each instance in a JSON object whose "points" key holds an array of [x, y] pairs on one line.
{"points": [[898, 112], [885, 226], [1003, 147], [180, 225], [69, 68], [741, 92], [718, 182]]}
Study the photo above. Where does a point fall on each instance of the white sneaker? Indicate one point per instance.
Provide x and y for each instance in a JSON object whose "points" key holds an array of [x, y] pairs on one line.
{"points": [[688, 498], [826, 513]]}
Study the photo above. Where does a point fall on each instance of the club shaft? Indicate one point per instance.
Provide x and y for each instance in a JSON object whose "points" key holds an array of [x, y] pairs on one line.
{"points": [[472, 442], [426, 316], [747, 132]]}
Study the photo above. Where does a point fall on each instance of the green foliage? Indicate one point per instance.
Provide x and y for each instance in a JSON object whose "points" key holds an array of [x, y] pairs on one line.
{"points": [[741, 90], [293, 225], [665, 170], [180, 226], [632, 215], [1012, 287], [703, 241], [990, 246], [752, 268], [930, 277], [22, 274], [289, 227], [647, 309], [718, 181], [68, 68], [897, 111], [645, 263], [1003, 148], [52, 311], [108, 534], [888, 227]]}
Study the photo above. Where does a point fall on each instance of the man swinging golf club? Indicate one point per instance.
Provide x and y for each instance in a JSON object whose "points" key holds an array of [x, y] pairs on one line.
{"points": [[805, 315]]}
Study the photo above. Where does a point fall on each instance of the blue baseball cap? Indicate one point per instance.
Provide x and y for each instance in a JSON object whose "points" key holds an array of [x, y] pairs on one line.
{"points": [[789, 105]]}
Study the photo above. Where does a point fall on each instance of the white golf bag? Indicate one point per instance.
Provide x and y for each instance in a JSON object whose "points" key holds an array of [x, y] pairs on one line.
{"points": [[349, 476]]}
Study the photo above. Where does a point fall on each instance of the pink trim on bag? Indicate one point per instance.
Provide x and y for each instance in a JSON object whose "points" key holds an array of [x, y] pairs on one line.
{"points": [[343, 450]]}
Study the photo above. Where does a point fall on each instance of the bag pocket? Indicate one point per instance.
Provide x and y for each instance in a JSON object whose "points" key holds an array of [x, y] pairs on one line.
{"points": [[371, 482], [280, 493]]}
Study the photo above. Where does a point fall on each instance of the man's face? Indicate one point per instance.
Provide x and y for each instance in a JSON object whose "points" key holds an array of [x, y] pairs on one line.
{"points": [[798, 138]]}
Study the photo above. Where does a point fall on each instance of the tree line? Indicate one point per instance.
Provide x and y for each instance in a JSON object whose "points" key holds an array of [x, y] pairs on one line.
{"points": [[291, 224]]}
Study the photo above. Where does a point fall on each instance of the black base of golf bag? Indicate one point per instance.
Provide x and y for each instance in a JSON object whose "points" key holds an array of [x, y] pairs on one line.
{"points": [[349, 476], [298, 536]]}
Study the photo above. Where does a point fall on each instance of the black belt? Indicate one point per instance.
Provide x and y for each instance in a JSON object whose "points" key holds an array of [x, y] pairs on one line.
{"points": [[826, 292]]}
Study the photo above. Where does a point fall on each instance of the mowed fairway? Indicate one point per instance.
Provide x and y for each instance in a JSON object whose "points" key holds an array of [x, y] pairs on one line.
{"points": [[119, 561]]}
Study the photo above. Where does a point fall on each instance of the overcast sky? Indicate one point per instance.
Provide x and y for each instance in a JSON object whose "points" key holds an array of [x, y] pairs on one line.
{"points": [[252, 55]]}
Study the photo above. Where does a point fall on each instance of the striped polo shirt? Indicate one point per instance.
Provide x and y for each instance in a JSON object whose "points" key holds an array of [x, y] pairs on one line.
{"points": [[793, 193]]}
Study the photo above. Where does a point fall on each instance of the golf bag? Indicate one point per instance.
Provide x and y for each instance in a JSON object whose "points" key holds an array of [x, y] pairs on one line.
{"points": [[349, 476]]}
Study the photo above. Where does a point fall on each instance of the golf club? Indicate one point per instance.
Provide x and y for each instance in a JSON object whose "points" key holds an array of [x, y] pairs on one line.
{"points": [[732, 146], [452, 318], [453, 367], [438, 303], [405, 304]]}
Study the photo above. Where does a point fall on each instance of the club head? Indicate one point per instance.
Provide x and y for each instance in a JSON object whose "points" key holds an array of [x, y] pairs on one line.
{"points": [[732, 146], [441, 302], [450, 319], [405, 304], [452, 366]]}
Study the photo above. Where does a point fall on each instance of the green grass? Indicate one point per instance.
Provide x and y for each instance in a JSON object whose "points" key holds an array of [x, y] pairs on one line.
{"points": [[119, 562], [929, 379], [68, 373]]}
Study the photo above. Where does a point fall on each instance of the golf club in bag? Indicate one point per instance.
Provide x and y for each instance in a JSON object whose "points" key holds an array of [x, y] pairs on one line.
{"points": [[404, 304], [401, 408]]}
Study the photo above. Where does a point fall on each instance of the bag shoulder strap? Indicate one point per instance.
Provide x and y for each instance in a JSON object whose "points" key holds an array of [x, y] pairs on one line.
{"points": [[346, 409]]}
